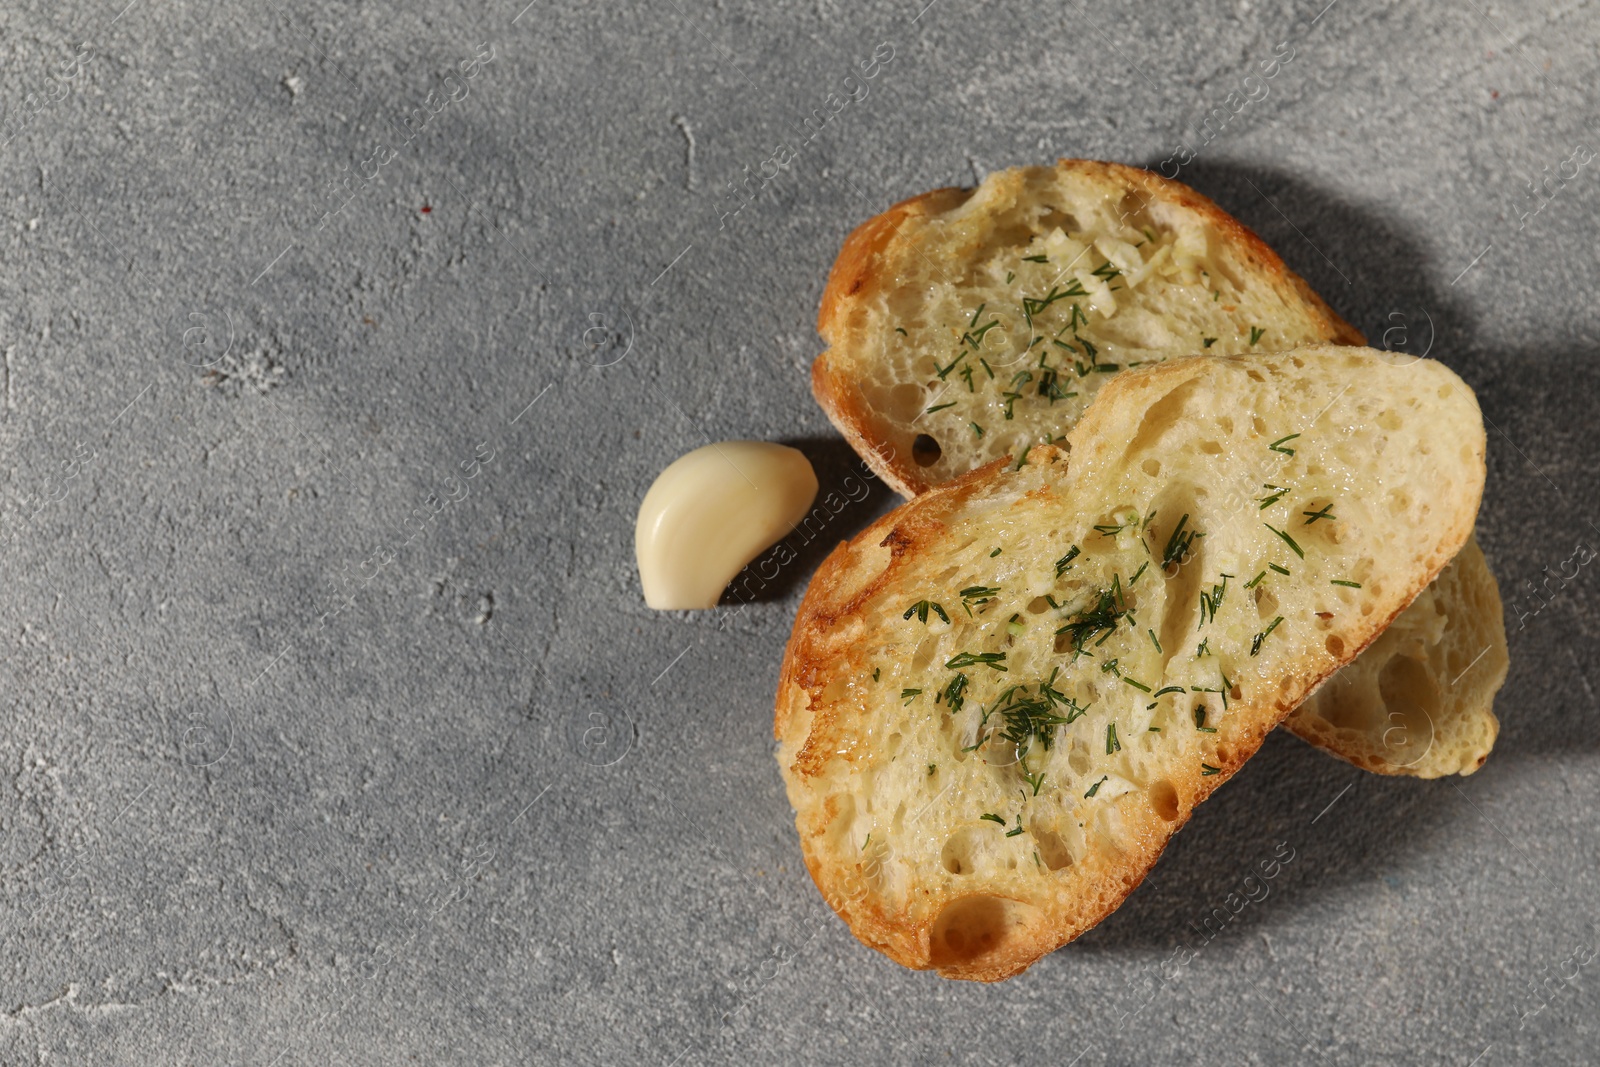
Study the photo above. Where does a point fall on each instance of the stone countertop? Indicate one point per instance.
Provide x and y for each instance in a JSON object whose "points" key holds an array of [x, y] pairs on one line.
{"points": [[340, 344]]}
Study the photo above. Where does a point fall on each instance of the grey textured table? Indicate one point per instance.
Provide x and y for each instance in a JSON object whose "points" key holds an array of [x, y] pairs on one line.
{"points": [[337, 730]]}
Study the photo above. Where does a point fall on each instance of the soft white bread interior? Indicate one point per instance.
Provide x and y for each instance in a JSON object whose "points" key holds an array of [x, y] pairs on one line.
{"points": [[1001, 700]]}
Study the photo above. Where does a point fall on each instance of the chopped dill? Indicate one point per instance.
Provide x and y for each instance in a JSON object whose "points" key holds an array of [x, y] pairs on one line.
{"points": [[1286, 540], [1178, 544], [993, 660], [1274, 494], [1255, 644], [1210, 602], [1108, 609], [951, 694], [921, 608], [978, 595]]}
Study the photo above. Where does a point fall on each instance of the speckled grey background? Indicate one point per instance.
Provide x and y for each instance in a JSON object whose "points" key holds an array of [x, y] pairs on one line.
{"points": [[336, 729]]}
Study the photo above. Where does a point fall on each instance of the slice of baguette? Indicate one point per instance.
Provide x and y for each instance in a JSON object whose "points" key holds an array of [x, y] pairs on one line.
{"points": [[1163, 271], [907, 289], [1420, 699], [936, 655]]}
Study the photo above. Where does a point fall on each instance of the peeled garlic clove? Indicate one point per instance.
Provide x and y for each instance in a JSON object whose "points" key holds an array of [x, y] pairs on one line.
{"points": [[713, 511]]}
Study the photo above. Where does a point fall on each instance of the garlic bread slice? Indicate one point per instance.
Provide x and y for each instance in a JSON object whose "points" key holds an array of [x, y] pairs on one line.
{"points": [[1000, 700], [968, 324]]}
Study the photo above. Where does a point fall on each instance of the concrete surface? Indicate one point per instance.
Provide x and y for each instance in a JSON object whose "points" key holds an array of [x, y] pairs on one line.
{"points": [[337, 730]]}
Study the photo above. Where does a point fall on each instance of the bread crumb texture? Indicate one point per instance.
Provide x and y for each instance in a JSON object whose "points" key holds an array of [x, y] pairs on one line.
{"points": [[1001, 700]]}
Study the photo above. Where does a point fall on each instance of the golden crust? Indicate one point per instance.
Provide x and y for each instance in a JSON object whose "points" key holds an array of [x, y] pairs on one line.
{"points": [[817, 748]]}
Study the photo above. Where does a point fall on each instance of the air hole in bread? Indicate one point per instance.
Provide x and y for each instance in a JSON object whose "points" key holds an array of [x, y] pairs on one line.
{"points": [[1164, 799], [925, 451], [1152, 467], [1038, 606], [1053, 850], [904, 401], [1335, 645], [1411, 694], [1266, 601], [1211, 448], [1079, 760], [1388, 419], [1257, 423], [957, 853], [972, 928], [1226, 425], [1165, 414]]}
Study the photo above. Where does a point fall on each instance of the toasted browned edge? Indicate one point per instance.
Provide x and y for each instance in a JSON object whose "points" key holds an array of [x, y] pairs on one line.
{"points": [[908, 942], [855, 272]]}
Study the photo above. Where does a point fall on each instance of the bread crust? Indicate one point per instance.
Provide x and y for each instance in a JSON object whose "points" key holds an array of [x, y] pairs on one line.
{"points": [[815, 746], [861, 270]]}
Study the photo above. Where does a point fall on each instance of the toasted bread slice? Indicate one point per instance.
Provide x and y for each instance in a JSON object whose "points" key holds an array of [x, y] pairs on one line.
{"points": [[1162, 271], [1000, 700], [985, 320], [1420, 699]]}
